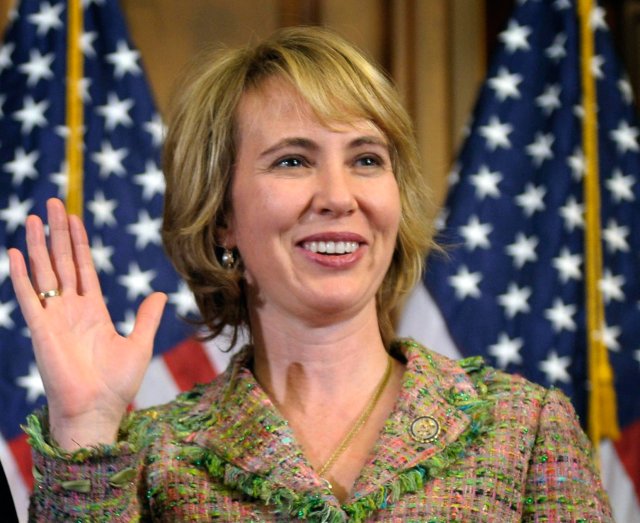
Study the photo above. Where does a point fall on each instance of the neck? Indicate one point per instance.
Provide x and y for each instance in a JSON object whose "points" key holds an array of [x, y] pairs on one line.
{"points": [[305, 367]]}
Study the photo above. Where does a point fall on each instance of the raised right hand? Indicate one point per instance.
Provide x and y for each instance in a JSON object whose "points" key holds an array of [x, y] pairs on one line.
{"points": [[90, 372]]}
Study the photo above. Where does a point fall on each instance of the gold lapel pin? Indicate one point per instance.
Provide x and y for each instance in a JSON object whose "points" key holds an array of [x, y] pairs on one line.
{"points": [[424, 429]]}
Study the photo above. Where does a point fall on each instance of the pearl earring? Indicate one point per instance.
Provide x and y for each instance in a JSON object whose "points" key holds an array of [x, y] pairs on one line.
{"points": [[228, 259]]}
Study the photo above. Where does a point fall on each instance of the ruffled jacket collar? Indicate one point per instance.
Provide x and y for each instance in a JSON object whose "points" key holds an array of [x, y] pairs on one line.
{"points": [[248, 445]]}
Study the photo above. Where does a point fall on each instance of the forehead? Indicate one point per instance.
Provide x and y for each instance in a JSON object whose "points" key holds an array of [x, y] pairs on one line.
{"points": [[277, 107]]}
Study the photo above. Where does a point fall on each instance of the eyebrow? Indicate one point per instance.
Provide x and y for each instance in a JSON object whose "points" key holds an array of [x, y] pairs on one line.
{"points": [[305, 143]]}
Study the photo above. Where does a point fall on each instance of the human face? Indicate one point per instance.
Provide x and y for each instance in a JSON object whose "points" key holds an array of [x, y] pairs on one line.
{"points": [[302, 190]]}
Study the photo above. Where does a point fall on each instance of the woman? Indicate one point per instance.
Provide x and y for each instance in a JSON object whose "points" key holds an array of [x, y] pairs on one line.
{"points": [[295, 208]]}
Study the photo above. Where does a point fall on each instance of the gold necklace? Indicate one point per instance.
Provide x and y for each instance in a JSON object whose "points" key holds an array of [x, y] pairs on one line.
{"points": [[362, 419]]}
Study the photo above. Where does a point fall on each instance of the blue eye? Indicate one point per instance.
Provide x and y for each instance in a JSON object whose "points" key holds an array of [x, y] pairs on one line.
{"points": [[369, 161], [290, 161]]}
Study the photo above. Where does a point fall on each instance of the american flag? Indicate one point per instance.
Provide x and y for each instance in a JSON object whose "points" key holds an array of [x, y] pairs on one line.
{"points": [[123, 190], [512, 287]]}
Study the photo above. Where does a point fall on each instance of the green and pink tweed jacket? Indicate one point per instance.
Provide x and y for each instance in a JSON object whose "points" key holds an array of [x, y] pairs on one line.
{"points": [[506, 450]]}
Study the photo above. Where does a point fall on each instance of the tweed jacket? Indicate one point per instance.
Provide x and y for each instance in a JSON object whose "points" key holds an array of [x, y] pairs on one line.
{"points": [[464, 442]]}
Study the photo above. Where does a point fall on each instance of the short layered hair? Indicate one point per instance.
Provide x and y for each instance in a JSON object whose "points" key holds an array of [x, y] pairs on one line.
{"points": [[341, 85]]}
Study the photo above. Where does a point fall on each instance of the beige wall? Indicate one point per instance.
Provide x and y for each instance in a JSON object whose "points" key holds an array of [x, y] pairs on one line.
{"points": [[432, 48]]}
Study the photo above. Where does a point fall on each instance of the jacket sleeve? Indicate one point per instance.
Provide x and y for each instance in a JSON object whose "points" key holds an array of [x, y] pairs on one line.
{"points": [[88, 485], [563, 483]]}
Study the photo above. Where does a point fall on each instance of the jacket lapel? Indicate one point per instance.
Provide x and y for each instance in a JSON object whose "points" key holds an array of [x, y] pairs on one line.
{"points": [[424, 422], [248, 432]]}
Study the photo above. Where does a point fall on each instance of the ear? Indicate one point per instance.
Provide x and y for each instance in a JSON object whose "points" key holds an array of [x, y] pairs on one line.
{"points": [[225, 235]]}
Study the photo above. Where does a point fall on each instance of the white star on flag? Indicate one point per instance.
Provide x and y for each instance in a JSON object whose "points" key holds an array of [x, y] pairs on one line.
{"points": [[124, 60], [573, 214], [611, 286], [156, 129], [101, 255], [110, 160], [152, 181], [610, 335], [486, 183], [38, 67], [568, 265], [146, 230], [597, 18], [32, 382], [576, 163], [116, 112], [523, 250], [555, 367], [86, 43], [183, 300], [22, 166], [15, 214], [61, 179], [557, 51], [515, 300], [32, 114], [6, 309], [626, 137], [496, 133], [532, 199], [515, 37], [621, 186], [549, 100], [615, 236], [466, 283], [137, 281], [505, 84], [47, 18], [5, 55], [476, 234], [84, 84], [540, 148], [561, 316], [597, 62], [102, 210], [506, 351]]}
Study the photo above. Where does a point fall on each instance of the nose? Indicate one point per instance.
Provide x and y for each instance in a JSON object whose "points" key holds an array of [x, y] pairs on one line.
{"points": [[334, 193]]}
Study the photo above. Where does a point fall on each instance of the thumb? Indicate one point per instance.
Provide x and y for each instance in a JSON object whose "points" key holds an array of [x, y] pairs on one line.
{"points": [[148, 318]]}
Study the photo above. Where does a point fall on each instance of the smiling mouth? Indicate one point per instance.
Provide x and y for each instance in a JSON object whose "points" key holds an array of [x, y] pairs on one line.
{"points": [[330, 247]]}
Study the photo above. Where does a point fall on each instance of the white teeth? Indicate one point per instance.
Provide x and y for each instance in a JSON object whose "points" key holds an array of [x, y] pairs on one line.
{"points": [[331, 247]]}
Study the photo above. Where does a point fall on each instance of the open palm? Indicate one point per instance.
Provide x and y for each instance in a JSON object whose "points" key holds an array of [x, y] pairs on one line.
{"points": [[90, 372]]}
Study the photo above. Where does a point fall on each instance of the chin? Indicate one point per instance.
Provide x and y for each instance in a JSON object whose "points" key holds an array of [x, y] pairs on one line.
{"points": [[341, 302]]}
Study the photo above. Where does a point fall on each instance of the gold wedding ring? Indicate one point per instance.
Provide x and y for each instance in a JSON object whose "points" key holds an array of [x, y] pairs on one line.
{"points": [[49, 294]]}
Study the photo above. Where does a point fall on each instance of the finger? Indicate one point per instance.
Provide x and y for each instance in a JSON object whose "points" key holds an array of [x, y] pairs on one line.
{"points": [[61, 250], [148, 319], [27, 297], [88, 282], [42, 273]]}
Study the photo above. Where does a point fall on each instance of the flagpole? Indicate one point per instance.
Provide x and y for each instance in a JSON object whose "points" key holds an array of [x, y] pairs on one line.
{"points": [[602, 419], [74, 108]]}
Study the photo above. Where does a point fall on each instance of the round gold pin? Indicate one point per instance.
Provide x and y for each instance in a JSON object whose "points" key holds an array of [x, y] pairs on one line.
{"points": [[424, 429]]}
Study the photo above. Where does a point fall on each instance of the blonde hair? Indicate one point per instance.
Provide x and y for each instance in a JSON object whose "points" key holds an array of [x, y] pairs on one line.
{"points": [[341, 85]]}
